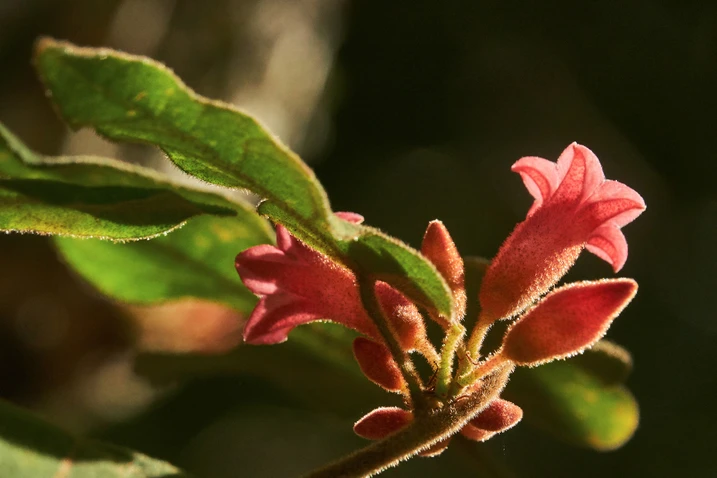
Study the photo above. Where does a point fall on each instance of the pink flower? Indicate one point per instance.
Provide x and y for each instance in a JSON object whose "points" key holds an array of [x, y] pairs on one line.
{"points": [[298, 285], [574, 208]]}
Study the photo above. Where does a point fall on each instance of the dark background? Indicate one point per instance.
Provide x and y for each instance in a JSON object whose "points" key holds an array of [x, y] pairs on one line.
{"points": [[417, 111]]}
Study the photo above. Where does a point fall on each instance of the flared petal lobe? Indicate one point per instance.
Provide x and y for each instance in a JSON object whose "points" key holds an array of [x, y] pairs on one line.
{"points": [[574, 207], [567, 321]]}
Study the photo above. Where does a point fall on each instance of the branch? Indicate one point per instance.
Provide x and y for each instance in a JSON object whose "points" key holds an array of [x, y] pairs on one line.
{"points": [[425, 430]]}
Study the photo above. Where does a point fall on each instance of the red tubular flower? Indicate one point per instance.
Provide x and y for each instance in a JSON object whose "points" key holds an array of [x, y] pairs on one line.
{"points": [[567, 321], [298, 285], [575, 207]]}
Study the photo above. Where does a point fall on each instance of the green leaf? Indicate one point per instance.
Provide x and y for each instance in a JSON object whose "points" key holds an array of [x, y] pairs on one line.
{"points": [[34, 449], [194, 261], [130, 98], [93, 197], [606, 361], [575, 405]]}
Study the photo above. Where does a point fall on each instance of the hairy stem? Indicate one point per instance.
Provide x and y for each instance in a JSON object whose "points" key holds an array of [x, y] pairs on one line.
{"points": [[425, 430], [473, 347], [483, 369], [454, 336], [367, 289]]}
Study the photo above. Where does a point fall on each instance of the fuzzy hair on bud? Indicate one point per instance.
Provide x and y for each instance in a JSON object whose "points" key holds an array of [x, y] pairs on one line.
{"points": [[567, 321], [377, 364], [381, 422]]}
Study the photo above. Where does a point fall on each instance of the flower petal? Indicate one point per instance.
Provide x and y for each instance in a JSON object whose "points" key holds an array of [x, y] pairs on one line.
{"points": [[382, 422], [350, 217], [579, 173], [613, 202], [274, 317], [377, 364], [253, 265], [609, 244], [567, 321], [540, 177]]}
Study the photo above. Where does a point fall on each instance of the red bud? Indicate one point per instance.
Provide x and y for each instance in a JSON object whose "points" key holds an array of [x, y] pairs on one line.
{"points": [[381, 422], [499, 416], [567, 321], [439, 248], [377, 364]]}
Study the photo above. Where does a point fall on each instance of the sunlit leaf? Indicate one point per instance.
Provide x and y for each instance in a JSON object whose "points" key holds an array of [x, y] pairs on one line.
{"points": [[130, 98], [86, 196]]}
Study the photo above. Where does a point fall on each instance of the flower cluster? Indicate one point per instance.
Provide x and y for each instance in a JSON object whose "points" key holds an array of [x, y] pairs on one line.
{"points": [[575, 208]]}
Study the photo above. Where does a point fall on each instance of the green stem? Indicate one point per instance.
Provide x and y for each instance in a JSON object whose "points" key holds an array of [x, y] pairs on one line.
{"points": [[472, 353], [453, 339], [483, 369], [367, 290], [478, 336], [425, 430]]}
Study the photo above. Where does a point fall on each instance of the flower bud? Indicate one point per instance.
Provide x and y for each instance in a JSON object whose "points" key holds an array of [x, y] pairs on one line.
{"points": [[381, 422], [499, 416], [377, 364], [567, 321], [439, 248]]}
